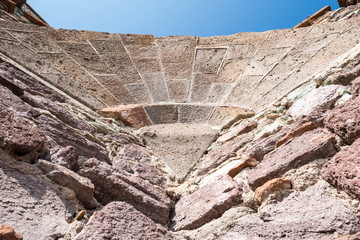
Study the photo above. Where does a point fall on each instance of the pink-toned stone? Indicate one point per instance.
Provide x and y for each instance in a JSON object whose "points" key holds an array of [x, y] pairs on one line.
{"points": [[236, 131], [269, 187], [131, 115], [248, 162], [355, 87], [349, 237], [212, 201], [343, 170], [120, 220], [344, 120], [316, 144], [222, 153], [297, 132], [114, 184]]}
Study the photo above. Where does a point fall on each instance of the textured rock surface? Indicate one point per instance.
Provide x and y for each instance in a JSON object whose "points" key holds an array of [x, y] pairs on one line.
{"points": [[112, 184], [180, 146], [355, 87], [344, 120], [222, 153], [131, 115], [8, 233], [269, 187], [297, 132], [234, 132], [212, 201], [83, 187], [343, 170], [292, 219], [120, 220], [319, 99], [248, 162], [310, 146], [32, 206]]}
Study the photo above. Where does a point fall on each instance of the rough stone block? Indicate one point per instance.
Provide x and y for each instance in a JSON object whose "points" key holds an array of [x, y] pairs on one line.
{"points": [[248, 162], [32, 206], [131, 115], [208, 60], [91, 35], [137, 39], [178, 90], [177, 56], [297, 132], [179, 146], [85, 55], [120, 220], [232, 69], [65, 35], [343, 170], [344, 120], [194, 113], [212, 201], [284, 38], [274, 185], [8, 233], [222, 153], [38, 42], [140, 92], [157, 87], [113, 184], [310, 146], [162, 114], [355, 87], [299, 216], [108, 46], [147, 65], [322, 98], [225, 116], [83, 187], [236, 131], [264, 60], [142, 51], [242, 91], [218, 91], [215, 41], [201, 85], [115, 86]]}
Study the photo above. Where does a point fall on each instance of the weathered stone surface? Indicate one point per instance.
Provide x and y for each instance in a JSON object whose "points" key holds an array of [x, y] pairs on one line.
{"points": [[61, 113], [140, 92], [135, 159], [355, 87], [319, 99], [83, 187], [178, 90], [32, 206], [113, 184], [248, 162], [212, 201], [157, 87], [65, 136], [25, 82], [225, 116], [130, 115], [222, 153], [270, 187], [19, 135], [299, 216], [179, 146], [208, 60], [343, 170], [310, 146], [201, 85], [236, 131], [120, 220], [194, 113], [66, 157], [344, 120], [345, 78], [162, 114], [297, 132], [349, 237], [177, 56], [8, 233]]}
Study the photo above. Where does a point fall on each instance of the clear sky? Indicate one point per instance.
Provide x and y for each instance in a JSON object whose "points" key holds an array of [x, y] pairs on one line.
{"points": [[177, 17]]}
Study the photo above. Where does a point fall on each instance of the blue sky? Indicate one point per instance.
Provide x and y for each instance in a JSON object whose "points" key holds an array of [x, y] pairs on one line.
{"points": [[177, 17]]}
